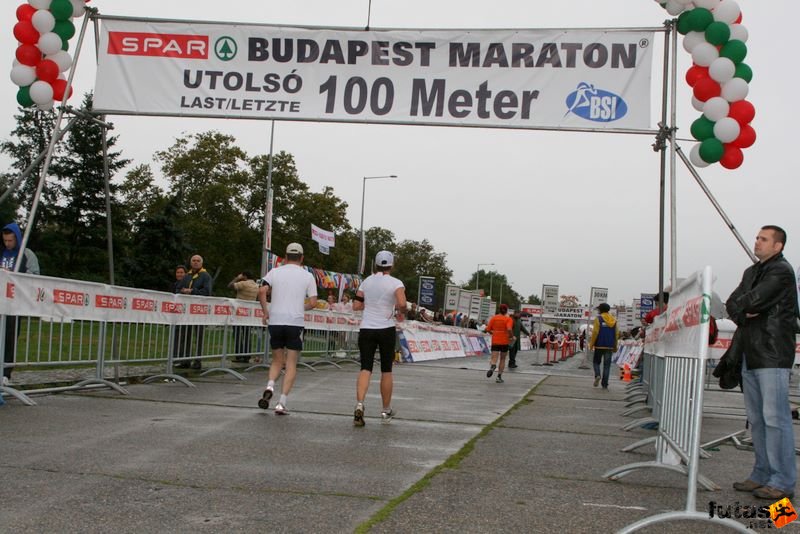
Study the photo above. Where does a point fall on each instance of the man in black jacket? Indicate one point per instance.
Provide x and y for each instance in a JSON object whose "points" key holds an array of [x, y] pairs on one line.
{"points": [[196, 282], [764, 308]]}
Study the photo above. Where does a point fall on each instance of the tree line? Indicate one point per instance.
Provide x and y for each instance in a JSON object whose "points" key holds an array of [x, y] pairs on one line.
{"points": [[202, 195]]}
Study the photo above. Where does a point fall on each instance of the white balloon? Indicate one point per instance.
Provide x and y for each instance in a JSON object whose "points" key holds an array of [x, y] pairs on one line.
{"points": [[727, 11], [41, 92], [722, 70], [692, 39], [694, 157], [40, 4], [735, 90], [716, 108], [15, 63], [43, 21], [708, 4], [62, 59], [739, 33], [727, 129], [77, 8], [698, 105], [49, 43], [46, 105], [704, 54], [674, 8], [23, 75], [683, 2]]}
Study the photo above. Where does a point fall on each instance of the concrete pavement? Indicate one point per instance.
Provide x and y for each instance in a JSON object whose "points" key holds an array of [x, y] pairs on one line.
{"points": [[464, 454]]}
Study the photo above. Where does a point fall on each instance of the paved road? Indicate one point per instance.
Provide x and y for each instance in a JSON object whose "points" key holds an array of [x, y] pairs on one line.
{"points": [[465, 454]]}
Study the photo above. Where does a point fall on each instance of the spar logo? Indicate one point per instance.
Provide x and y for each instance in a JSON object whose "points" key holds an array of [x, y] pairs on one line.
{"points": [[172, 45], [225, 48], [597, 105]]}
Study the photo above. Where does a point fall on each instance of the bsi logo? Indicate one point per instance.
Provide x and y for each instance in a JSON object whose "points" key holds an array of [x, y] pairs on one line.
{"points": [[594, 104]]}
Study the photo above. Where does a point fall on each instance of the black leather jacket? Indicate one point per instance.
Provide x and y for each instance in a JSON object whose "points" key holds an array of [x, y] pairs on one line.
{"points": [[768, 290]]}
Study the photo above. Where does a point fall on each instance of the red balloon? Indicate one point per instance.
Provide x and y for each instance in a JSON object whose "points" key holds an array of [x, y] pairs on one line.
{"points": [[747, 136], [696, 73], [737, 21], [59, 86], [706, 88], [26, 33], [47, 71], [29, 55], [743, 111], [25, 12], [732, 158]]}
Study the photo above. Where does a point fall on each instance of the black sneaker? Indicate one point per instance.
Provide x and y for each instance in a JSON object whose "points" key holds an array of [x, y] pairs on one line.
{"points": [[512, 365], [499, 379], [358, 415], [490, 372], [263, 402], [386, 417]]}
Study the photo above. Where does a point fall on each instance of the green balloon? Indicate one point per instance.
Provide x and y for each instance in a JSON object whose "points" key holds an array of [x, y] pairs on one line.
{"points": [[684, 24], [64, 45], [734, 50], [700, 18], [64, 29], [744, 72], [711, 150], [24, 97], [702, 128], [718, 33], [61, 9]]}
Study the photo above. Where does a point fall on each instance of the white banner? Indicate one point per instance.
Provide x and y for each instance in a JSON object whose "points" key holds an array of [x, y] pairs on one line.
{"points": [[325, 238], [464, 300], [599, 295], [451, 298], [596, 79]]}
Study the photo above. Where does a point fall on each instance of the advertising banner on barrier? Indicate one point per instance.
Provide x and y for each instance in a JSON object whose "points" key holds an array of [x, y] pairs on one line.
{"points": [[523, 78]]}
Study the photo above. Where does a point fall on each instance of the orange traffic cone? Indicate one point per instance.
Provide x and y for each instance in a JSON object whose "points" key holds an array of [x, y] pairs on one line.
{"points": [[626, 373]]}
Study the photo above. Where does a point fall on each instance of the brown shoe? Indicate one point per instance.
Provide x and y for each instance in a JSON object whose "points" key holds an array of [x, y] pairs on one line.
{"points": [[772, 494], [747, 485]]}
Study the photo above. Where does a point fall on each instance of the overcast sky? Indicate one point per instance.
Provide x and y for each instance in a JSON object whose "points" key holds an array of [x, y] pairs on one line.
{"points": [[572, 209]]}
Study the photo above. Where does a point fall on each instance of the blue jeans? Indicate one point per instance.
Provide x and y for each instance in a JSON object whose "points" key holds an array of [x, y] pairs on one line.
{"points": [[766, 398], [605, 356]]}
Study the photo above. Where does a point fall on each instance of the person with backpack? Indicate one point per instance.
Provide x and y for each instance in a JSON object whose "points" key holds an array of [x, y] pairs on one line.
{"points": [[603, 342]]}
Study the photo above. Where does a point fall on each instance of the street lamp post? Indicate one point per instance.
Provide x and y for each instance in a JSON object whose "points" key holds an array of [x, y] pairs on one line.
{"points": [[478, 273], [362, 248]]}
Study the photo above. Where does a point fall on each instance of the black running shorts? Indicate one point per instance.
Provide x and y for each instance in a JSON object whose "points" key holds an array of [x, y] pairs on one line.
{"points": [[499, 348], [383, 339], [286, 337]]}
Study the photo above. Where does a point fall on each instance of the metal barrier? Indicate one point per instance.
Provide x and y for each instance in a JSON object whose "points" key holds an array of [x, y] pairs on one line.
{"points": [[680, 338]]}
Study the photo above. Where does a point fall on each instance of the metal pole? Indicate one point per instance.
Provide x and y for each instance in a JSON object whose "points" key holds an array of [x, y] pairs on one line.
{"points": [[361, 245], [662, 188], [109, 233], [51, 148], [672, 176], [491, 284], [477, 276], [716, 204], [267, 213]]}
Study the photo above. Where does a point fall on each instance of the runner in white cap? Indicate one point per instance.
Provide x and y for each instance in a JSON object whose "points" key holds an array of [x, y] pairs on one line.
{"points": [[293, 291], [383, 299]]}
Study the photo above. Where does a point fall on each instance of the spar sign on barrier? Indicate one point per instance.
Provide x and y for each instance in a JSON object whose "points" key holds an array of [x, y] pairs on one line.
{"points": [[523, 78]]}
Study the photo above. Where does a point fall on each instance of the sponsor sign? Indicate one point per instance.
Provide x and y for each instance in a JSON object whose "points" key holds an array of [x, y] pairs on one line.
{"points": [[427, 292], [550, 298], [647, 303], [523, 78], [599, 295], [451, 298], [323, 237], [475, 306], [464, 300]]}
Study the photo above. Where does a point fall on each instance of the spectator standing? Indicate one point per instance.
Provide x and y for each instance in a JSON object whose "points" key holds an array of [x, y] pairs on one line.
{"points": [[517, 331], [246, 289], [501, 328], [603, 342], [181, 335], [196, 282], [293, 291], [764, 308], [28, 263], [382, 298]]}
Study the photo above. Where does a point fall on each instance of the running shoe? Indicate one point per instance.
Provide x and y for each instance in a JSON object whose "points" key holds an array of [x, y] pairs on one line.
{"points": [[490, 372], [386, 417], [280, 409], [358, 415], [263, 402], [596, 381], [499, 379]]}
